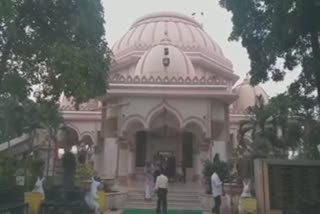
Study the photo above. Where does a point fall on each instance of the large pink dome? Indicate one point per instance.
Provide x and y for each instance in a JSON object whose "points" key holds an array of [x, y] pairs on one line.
{"points": [[183, 31]]}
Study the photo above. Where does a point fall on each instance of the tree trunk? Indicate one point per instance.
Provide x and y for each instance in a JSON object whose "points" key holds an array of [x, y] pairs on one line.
{"points": [[3, 60], [316, 60]]}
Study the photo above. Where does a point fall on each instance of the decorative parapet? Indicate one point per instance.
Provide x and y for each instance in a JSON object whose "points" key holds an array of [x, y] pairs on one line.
{"points": [[213, 80], [239, 111], [69, 105]]}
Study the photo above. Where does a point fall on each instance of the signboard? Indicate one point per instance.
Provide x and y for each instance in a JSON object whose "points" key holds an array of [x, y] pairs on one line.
{"points": [[290, 184], [284, 184]]}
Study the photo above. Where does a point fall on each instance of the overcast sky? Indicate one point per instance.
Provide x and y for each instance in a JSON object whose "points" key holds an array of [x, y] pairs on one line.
{"points": [[120, 14]]}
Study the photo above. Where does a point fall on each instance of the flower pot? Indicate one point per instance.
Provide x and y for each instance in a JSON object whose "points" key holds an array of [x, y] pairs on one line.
{"points": [[101, 200], [206, 201], [33, 199], [233, 189], [115, 200], [248, 205]]}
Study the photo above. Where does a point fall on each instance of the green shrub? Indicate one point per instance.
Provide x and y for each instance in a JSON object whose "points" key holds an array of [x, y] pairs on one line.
{"points": [[84, 171], [8, 167], [220, 167]]}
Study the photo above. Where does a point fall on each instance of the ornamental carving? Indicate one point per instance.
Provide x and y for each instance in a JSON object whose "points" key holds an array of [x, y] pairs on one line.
{"points": [[212, 80]]}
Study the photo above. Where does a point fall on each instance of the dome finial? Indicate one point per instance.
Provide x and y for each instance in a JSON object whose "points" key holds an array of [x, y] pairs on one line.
{"points": [[247, 78], [165, 40]]}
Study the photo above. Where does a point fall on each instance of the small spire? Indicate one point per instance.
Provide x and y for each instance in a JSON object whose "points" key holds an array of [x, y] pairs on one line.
{"points": [[247, 78], [199, 17], [166, 33], [166, 40]]}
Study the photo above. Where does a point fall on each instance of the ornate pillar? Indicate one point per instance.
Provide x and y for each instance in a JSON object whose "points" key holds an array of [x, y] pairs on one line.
{"points": [[131, 160], [220, 131], [122, 168], [204, 154], [197, 164], [109, 146]]}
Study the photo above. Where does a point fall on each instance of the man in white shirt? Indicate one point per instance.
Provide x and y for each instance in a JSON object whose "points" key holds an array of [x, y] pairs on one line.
{"points": [[216, 185], [162, 190]]}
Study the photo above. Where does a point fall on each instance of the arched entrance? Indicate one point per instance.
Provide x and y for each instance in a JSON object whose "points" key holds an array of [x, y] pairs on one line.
{"points": [[163, 132], [164, 135], [165, 139]]}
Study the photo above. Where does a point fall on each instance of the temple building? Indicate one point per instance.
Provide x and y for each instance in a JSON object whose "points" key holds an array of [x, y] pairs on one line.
{"points": [[171, 91]]}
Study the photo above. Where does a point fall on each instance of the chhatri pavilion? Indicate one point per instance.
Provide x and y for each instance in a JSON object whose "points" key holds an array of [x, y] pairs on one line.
{"points": [[171, 91]]}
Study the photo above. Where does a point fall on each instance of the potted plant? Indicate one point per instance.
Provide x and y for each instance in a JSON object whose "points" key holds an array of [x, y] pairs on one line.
{"points": [[84, 173], [209, 166], [222, 168]]}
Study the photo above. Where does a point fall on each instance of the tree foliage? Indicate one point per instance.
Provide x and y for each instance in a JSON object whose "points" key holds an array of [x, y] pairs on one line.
{"points": [[256, 134], [24, 117], [288, 123], [55, 45], [216, 165], [48, 48], [279, 36]]}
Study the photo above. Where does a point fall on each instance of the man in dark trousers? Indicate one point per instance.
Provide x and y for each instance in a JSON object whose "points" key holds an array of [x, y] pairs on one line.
{"points": [[162, 190]]}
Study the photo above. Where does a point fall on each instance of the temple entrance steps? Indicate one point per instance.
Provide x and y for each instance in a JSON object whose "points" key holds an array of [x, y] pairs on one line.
{"points": [[178, 199]]}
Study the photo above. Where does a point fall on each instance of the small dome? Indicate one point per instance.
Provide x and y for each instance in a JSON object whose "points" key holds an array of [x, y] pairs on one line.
{"points": [[247, 96], [164, 60]]}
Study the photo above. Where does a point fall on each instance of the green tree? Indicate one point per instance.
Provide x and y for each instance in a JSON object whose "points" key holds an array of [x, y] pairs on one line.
{"points": [[54, 46], [216, 165], [48, 48], [257, 138], [287, 123], [257, 132], [279, 36]]}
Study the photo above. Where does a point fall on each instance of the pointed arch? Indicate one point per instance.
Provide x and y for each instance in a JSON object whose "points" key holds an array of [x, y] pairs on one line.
{"points": [[133, 120], [159, 108], [87, 133], [196, 122]]}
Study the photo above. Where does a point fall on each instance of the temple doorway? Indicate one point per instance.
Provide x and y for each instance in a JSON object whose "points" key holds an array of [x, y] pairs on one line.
{"points": [[163, 134], [165, 142]]}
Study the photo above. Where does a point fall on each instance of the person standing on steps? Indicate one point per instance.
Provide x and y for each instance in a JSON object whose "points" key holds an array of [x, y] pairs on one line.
{"points": [[184, 171], [148, 181], [216, 185], [162, 190]]}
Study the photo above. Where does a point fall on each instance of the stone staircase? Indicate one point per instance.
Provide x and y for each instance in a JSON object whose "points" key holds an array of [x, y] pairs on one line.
{"points": [[178, 199]]}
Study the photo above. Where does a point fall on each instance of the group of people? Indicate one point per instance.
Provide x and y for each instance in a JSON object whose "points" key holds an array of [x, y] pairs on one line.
{"points": [[158, 173], [165, 164], [161, 188]]}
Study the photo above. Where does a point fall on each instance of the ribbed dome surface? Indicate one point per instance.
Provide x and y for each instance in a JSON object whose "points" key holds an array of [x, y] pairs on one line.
{"points": [[184, 32], [247, 96], [151, 63]]}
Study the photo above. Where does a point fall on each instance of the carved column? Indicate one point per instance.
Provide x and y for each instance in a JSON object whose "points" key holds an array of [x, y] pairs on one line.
{"points": [[122, 171], [204, 154], [131, 160], [220, 131], [109, 148], [197, 164]]}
